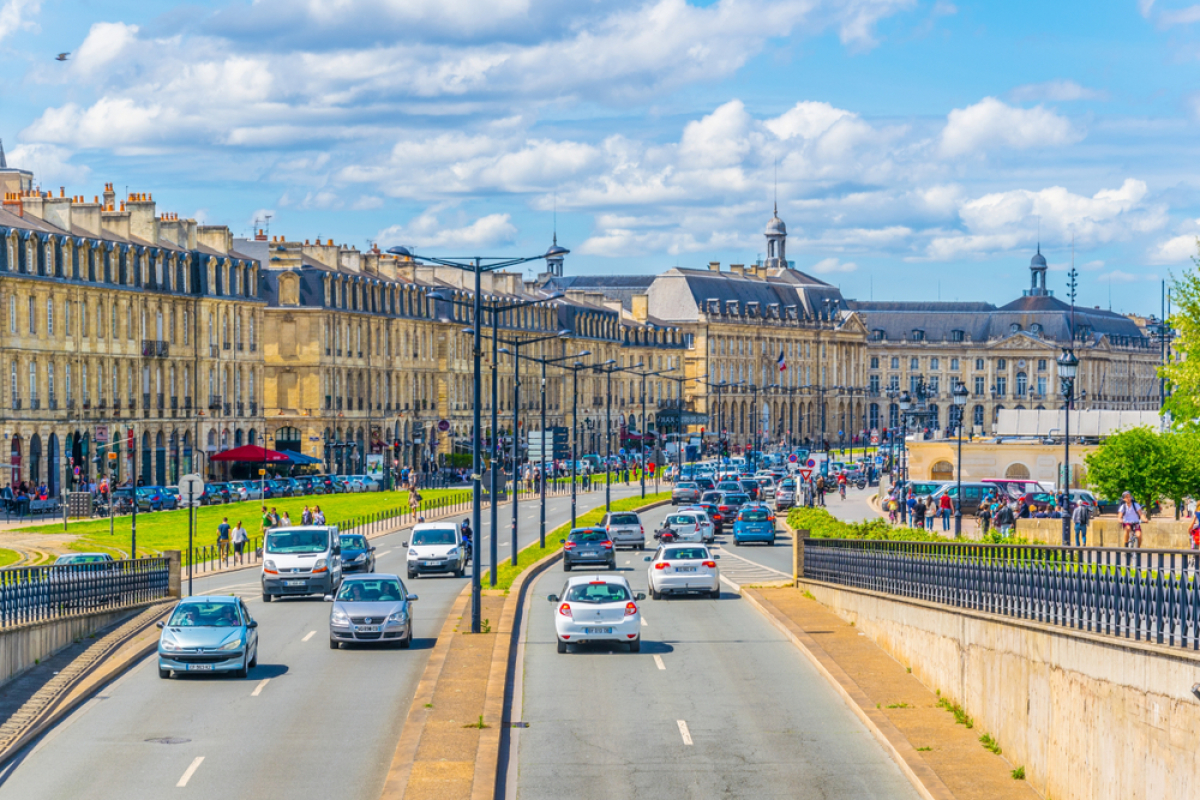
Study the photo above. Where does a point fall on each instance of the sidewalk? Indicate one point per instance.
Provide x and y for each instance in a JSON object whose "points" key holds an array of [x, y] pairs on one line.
{"points": [[944, 757]]}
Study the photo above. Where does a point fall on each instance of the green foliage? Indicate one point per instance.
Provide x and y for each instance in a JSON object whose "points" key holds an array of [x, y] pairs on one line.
{"points": [[1148, 464], [823, 525], [960, 716], [990, 744], [1183, 374], [8, 557], [1019, 773]]}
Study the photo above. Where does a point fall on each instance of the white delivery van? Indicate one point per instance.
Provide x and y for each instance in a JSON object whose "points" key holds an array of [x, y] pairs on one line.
{"points": [[301, 560], [436, 547]]}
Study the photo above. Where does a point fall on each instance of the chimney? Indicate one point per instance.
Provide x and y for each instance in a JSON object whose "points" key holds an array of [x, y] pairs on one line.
{"points": [[86, 216], [260, 236], [641, 307], [142, 221], [738, 269], [715, 266], [110, 197], [114, 221], [215, 237]]}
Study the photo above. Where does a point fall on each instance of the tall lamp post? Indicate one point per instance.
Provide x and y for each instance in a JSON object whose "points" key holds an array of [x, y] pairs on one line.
{"points": [[905, 406], [643, 376], [679, 432], [578, 365], [1068, 365], [608, 368], [960, 394], [479, 265], [719, 385]]}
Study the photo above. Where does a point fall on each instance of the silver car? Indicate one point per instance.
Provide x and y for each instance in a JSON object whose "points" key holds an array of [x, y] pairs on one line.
{"points": [[685, 492], [371, 608], [708, 528], [625, 529], [208, 634]]}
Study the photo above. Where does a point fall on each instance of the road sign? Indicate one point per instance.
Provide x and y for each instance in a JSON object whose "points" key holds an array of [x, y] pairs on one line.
{"points": [[101, 433], [793, 458], [874, 439], [806, 473], [812, 462], [262, 472], [112, 456], [444, 425], [191, 485]]}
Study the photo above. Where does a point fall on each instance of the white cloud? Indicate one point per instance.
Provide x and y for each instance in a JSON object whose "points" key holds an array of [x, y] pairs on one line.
{"points": [[105, 42], [1145, 6], [806, 119], [1056, 91], [426, 230], [49, 164], [991, 124], [1182, 16], [1176, 250], [1117, 276], [829, 265], [15, 15]]}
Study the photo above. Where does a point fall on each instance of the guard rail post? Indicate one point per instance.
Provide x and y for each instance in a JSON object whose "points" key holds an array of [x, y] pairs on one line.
{"points": [[799, 537], [174, 574]]}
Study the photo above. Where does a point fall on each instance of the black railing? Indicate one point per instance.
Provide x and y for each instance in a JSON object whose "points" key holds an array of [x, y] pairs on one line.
{"points": [[155, 348], [1145, 595], [35, 594]]}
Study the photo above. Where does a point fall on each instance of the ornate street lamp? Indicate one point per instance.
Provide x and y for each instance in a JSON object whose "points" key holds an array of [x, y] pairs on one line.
{"points": [[1068, 365], [960, 394], [905, 407]]}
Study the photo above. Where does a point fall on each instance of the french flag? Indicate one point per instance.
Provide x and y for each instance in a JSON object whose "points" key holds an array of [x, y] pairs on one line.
{"points": [[781, 362]]}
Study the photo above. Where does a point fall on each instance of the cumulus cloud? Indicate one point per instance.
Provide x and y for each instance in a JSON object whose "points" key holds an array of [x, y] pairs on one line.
{"points": [[829, 265], [992, 124], [427, 230], [1176, 250], [1117, 276], [51, 164], [1056, 91], [15, 16]]}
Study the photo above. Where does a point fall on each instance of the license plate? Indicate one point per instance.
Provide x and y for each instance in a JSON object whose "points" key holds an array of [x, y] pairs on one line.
{"points": [[597, 630], [199, 667], [685, 569], [366, 629], [429, 563], [294, 583]]}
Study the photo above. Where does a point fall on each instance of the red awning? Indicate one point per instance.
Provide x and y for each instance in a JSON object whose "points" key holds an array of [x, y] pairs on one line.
{"points": [[250, 452]]}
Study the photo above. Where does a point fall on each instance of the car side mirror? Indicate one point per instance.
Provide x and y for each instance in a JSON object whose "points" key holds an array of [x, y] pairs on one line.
{"points": [[412, 598], [715, 557], [328, 598], [160, 624], [648, 558], [404, 543], [252, 623], [371, 548], [553, 598], [337, 551], [562, 541], [640, 596]]}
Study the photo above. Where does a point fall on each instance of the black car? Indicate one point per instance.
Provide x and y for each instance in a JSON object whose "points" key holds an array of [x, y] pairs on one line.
{"points": [[750, 487], [588, 546], [221, 489], [357, 554], [311, 485]]}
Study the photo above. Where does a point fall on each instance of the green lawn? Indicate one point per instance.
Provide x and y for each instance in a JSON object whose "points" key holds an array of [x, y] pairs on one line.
{"points": [[533, 553], [8, 557], [167, 530]]}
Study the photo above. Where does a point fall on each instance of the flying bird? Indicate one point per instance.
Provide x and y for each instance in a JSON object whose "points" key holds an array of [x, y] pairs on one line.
{"points": [[61, 57]]}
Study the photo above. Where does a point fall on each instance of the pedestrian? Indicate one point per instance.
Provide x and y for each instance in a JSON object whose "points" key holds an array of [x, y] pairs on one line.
{"points": [[918, 517], [1194, 537], [1005, 520], [985, 517], [821, 490], [306, 516], [274, 517], [285, 521], [930, 511], [414, 500], [911, 503], [239, 543], [318, 516], [945, 505], [1132, 515], [267, 523], [223, 539], [1080, 517]]}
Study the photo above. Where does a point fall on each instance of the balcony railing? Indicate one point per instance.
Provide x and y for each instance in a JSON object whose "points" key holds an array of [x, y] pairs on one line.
{"points": [[70, 404], [241, 410], [214, 402], [174, 402], [253, 347], [240, 347], [16, 404], [254, 408], [328, 402], [146, 400], [161, 401], [212, 351], [339, 404], [154, 348], [53, 403], [228, 409], [187, 404], [224, 345]]}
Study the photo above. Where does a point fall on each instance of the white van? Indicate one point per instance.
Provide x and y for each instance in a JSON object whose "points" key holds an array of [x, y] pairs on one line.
{"points": [[301, 560], [436, 547]]}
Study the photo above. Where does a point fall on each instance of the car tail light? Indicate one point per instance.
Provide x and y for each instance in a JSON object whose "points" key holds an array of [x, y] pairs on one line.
{"points": [[662, 565], [642, 528], [608, 545], [565, 610], [710, 564], [569, 546], [630, 609]]}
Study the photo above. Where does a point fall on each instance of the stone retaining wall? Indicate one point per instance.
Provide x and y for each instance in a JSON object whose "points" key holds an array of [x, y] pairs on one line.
{"points": [[1158, 534]]}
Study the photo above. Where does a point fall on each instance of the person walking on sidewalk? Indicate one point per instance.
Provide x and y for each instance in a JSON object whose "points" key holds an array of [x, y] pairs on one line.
{"points": [[1005, 520], [239, 543], [1080, 518], [266, 524], [918, 514], [985, 517], [223, 539], [945, 506]]}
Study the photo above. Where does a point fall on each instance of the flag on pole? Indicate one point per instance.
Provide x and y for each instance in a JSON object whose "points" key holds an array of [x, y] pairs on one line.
{"points": [[781, 362]]}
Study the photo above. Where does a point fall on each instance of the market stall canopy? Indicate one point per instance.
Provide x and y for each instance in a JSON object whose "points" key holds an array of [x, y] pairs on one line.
{"points": [[251, 453], [299, 459]]}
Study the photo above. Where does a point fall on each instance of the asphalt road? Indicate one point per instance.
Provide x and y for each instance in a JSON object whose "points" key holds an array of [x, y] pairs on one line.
{"points": [[717, 704], [308, 722]]}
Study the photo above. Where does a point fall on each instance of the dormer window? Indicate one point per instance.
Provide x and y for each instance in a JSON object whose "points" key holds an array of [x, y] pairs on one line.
{"points": [[1035, 329], [918, 335], [878, 335], [957, 336], [1014, 328]]}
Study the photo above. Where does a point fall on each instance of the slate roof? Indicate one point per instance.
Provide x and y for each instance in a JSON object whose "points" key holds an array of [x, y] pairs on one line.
{"points": [[679, 294]]}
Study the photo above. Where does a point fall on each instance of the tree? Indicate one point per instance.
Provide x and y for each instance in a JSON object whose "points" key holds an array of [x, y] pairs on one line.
{"points": [[1183, 373], [1138, 461]]}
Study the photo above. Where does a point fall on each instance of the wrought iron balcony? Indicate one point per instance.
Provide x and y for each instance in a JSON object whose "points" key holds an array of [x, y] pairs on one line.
{"points": [[154, 348], [214, 402]]}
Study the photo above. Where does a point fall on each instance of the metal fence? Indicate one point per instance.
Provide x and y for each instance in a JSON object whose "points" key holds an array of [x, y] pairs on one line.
{"points": [[37, 594], [1145, 595]]}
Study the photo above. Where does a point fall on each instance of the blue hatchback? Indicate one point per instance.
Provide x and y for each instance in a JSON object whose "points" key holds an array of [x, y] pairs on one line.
{"points": [[754, 523]]}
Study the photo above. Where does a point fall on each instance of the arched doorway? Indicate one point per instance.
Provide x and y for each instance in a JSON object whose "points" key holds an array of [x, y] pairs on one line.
{"points": [[14, 459], [54, 473], [173, 456], [187, 467], [942, 471], [35, 460], [160, 460], [1017, 471], [288, 438], [146, 473], [237, 438]]}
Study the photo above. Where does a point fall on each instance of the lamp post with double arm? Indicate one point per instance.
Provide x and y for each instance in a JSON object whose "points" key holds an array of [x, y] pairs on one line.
{"points": [[607, 369], [960, 393], [477, 266], [1068, 365], [643, 376], [575, 368]]}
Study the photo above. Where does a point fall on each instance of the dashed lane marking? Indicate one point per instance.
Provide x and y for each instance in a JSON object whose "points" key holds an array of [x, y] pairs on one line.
{"points": [[658, 662], [261, 685], [190, 771], [643, 622], [684, 732], [308, 636]]}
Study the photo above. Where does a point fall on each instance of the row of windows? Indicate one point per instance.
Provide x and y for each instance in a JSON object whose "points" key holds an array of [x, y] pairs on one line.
{"points": [[914, 362], [99, 380]]}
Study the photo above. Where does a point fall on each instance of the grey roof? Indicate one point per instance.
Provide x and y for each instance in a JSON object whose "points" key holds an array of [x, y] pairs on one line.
{"points": [[617, 287], [3, 160], [680, 294]]}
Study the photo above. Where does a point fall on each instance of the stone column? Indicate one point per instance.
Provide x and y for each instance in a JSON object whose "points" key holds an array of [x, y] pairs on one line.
{"points": [[798, 539], [174, 576]]}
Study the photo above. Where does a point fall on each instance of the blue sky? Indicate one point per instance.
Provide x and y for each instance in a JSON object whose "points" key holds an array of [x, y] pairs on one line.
{"points": [[918, 145]]}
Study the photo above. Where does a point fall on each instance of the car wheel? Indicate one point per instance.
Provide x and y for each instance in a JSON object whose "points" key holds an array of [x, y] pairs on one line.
{"points": [[266, 597], [655, 594], [715, 594], [736, 542], [412, 575], [771, 543], [636, 645], [164, 673], [612, 565], [406, 642], [244, 672], [566, 565], [333, 643], [562, 646]]}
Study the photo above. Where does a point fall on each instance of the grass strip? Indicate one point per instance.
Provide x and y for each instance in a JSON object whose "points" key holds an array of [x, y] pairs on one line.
{"points": [[8, 557], [534, 552]]}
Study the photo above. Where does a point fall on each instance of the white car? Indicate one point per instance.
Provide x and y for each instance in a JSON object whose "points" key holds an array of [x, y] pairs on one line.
{"points": [[708, 530], [437, 547], [687, 525], [597, 608], [677, 568]]}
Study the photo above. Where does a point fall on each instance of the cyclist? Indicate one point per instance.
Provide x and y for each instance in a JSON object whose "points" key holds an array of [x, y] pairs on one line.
{"points": [[1131, 515], [841, 479]]}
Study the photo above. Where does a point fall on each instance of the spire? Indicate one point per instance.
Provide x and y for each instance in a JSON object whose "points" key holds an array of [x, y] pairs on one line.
{"points": [[3, 161]]}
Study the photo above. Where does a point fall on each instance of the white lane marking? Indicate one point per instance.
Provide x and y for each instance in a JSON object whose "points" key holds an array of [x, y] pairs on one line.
{"points": [[258, 689], [308, 636], [659, 662], [504, 544], [643, 622], [187, 775], [384, 553], [627, 561], [683, 731]]}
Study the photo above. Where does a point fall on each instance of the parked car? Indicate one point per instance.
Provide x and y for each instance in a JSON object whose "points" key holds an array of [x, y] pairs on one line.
{"points": [[154, 498], [179, 500], [211, 496], [597, 608], [588, 546], [973, 494], [754, 523], [682, 569], [311, 485], [371, 608], [208, 634], [625, 529]]}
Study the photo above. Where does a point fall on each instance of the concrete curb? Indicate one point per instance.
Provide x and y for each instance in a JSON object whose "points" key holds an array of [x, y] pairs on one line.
{"points": [[94, 668], [920, 774]]}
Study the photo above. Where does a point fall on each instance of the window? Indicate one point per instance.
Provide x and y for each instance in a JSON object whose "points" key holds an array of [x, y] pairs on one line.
{"points": [[13, 390], [893, 383], [32, 314], [116, 383], [874, 384], [67, 381], [874, 362], [914, 363], [67, 309], [1041, 385], [935, 363], [934, 383], [954, 365], [83, 318], [12, 314], [50, 381], [33, 381], [1001, 363], [1022, 383], [1041, 365], [83, 383], [957, 336], [1035, 328], [1014, 328], [878, 335], [115, 330], [1001, 385], [50, 317], [978, 385], [895, 363], [979, 363], [918, 335]]}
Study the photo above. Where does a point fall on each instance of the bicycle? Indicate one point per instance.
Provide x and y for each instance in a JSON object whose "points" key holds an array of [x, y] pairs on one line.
{"points": [[842, 490]]}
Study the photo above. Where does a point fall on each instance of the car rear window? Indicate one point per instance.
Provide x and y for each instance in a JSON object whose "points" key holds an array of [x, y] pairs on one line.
{"points": [[753, 515], [624, 519], [686, 485], [685, 553], [588, 536], [737, 499], [681, 519], [599, 592]]}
